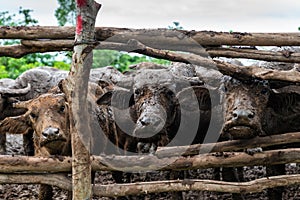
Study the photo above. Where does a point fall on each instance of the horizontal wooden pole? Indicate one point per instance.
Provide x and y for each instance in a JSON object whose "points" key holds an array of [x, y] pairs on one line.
{"points": [[41, 46], [114, 190], [233, 145], [272, 56], [155, 37], [58, 180], [254, 186], [17, 164], [240, 72]]}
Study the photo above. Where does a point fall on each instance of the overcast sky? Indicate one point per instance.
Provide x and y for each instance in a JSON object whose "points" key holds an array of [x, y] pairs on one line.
{"points": [[216, 15]]}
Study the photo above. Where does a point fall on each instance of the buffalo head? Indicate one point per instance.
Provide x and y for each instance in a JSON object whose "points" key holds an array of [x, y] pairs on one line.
{"points": [[46, 115], [155, 101], [244, 105]]}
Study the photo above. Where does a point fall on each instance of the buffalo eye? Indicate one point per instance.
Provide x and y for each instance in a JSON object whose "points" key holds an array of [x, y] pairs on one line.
{"points": [[138, 92], [33, 115], [224, 89], [170, 93], [264, 91], [62, 109]]}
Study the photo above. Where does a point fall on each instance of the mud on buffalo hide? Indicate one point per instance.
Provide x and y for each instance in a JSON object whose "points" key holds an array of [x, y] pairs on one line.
{"points": [[252, 108], [151, 106], [283, 112], [47, 115], [244, 106], [35, 82]]}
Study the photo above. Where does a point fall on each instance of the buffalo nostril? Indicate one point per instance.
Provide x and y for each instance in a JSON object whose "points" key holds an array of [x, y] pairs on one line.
{"points": [[251, 116], [44, 134], [144, 122], [243, 114], [50, 132]]}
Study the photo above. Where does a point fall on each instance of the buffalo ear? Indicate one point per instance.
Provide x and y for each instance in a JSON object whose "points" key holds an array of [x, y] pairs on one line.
{"points": [[16, 125], [105, 99], [194, 98], [120, 99]]}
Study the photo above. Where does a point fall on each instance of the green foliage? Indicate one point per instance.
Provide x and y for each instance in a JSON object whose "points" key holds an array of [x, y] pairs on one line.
{"points": [[26, 18], [3, 72], [121, 61], [102, 58], [176, 26], [12, 67], [6, 19], [61, 65], [66, 12]]}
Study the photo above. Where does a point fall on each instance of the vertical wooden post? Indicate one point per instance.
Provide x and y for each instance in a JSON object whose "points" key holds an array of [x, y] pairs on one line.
{"points": [[75, 88]]}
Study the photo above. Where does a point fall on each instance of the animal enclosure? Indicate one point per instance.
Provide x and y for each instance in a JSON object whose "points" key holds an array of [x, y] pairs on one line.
{"points": [[200, 49]]}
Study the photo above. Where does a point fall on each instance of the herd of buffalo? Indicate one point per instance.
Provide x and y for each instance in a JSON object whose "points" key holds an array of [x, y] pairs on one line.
{"points": [[149, 106]]}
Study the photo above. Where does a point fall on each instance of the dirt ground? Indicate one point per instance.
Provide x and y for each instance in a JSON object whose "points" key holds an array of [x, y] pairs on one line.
{"points": [[22, 192]]}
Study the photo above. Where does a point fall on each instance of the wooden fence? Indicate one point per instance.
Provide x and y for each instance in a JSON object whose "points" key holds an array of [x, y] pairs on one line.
{"points": [[35, 170]]}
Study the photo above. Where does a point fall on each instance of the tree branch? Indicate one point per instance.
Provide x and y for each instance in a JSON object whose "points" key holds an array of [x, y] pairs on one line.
{"points": [[113, 190], [149, 162], [271, 56], [254, 186], [36, 46], [57, 180], [18, 51], [246, 72], [240, 72], [234, 145], [156, 37]]}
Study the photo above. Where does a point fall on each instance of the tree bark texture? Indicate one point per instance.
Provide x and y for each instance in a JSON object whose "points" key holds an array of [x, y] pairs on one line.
{"points": [[257, 185], [189, 41], [155, 36], [75, 87], [240, 72], [57, 180], [149, 162], [233, 145], [113, 190], [230, 52]]}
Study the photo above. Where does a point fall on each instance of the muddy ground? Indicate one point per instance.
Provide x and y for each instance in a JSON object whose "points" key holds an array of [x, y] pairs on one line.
{"points": [[22, 192]]}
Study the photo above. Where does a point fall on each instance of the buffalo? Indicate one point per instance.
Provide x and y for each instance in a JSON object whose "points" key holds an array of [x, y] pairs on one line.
{"points": [[253, 108], [244, 106], [35, 82], [8, 95], [47, 116], [160, 103], [153, 106]]}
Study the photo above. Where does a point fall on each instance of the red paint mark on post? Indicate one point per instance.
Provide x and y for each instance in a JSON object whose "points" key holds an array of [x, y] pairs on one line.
{"points": [[81, 3], [79, 25]]}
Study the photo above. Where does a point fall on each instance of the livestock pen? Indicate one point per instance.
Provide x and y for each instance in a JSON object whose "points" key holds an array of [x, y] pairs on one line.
{"points": [[170, 45]]}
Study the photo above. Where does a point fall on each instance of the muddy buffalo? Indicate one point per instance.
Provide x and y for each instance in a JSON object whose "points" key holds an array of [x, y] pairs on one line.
{"points": [[252, 108], [28, 85], [35, 82], [163, 105], [47, 116], [244, 107]]}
